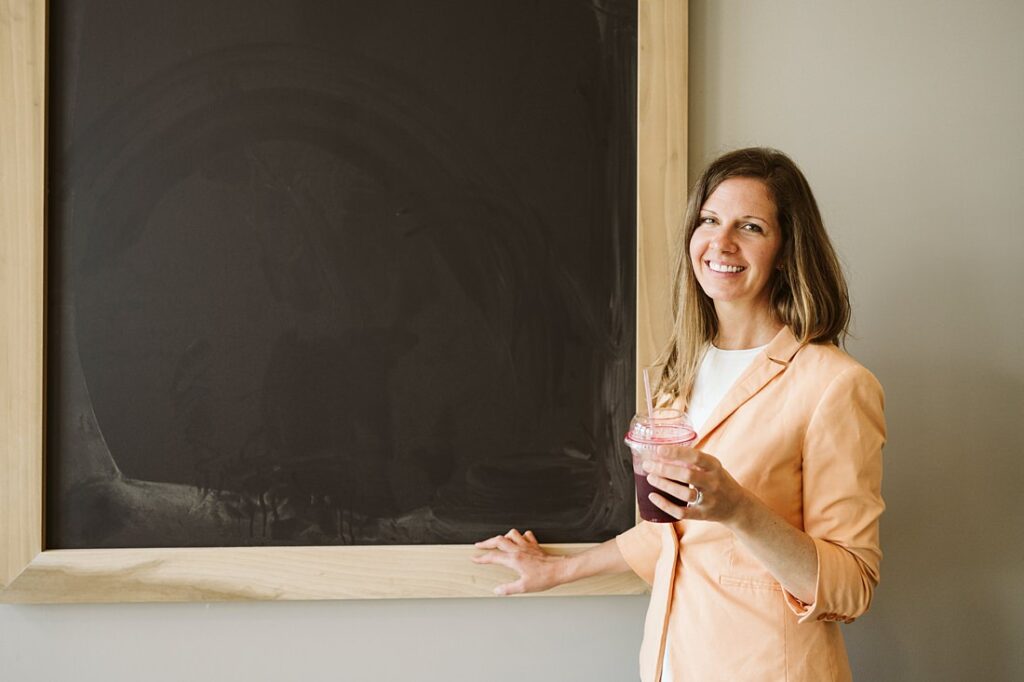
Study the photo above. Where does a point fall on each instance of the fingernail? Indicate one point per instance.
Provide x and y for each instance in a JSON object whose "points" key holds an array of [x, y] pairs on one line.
{"points": [[648, 466], [499, 591]]}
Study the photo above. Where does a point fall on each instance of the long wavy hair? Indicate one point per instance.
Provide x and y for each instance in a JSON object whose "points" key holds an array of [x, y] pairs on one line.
{"points": [[808, 292]]}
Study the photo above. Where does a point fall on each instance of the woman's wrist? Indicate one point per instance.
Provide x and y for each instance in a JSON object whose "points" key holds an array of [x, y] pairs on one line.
{"points": [[565, 569], [601, 559], [744, 518]]}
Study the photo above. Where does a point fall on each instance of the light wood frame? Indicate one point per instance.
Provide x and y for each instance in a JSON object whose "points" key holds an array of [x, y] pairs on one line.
{"points": [[29, 573]]}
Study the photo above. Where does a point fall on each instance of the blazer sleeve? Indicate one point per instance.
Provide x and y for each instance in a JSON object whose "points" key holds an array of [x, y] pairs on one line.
{"points": [[640, 547], [842, 480]]}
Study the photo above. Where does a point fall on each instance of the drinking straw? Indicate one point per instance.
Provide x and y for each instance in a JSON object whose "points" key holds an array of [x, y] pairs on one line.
{"points": [[647, 391]]}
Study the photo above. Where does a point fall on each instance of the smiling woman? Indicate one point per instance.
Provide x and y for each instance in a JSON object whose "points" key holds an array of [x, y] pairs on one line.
{"points": [[777, 501]]}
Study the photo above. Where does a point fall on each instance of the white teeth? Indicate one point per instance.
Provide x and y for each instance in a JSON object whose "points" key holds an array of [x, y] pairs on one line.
{"points": [[722, 267]]}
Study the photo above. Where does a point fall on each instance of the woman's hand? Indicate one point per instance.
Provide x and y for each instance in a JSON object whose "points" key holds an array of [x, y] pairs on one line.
{"points": [[538, 570], [721, 498]]}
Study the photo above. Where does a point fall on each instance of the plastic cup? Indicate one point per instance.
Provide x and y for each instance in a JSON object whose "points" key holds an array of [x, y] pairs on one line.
{"points": [[647, 433]]}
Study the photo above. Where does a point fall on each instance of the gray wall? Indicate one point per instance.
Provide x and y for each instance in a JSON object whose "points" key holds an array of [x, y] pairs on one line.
{"points": [[906, 116]]}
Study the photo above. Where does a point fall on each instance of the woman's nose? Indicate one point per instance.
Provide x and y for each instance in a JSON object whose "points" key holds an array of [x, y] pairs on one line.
{"points": [[723, 241]]}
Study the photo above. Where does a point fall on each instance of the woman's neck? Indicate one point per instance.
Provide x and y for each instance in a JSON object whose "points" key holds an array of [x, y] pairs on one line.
{"points": [[742, 328]]}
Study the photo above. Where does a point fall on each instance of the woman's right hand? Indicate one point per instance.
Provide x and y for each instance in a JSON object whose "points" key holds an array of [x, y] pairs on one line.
{"points": [[538, 570]]}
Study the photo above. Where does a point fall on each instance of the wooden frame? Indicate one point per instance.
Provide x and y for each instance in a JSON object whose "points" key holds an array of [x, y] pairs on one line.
{"points": [[28, 573]]}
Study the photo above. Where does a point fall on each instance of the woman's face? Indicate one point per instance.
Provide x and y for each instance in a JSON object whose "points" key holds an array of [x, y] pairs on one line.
{"points": [[735, 247]]}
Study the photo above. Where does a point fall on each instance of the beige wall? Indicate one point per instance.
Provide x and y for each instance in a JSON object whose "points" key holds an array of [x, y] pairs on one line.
{"points": [[906, 116], [908, 119]]}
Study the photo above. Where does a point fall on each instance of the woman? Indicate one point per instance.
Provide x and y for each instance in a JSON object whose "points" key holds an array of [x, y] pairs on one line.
{"points": [[779, 542]]}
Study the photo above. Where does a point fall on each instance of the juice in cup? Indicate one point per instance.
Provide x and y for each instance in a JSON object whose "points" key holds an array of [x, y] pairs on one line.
{"points": [[646, 434]]}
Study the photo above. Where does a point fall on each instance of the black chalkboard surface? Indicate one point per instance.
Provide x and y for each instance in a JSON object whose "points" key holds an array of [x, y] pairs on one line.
{"points": [[331, 272]]}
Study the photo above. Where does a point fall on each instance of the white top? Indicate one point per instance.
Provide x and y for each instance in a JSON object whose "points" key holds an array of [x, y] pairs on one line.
{"points": [[718, 371]]}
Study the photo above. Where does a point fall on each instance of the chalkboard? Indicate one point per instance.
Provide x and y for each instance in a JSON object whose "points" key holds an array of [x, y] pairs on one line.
{"points": [[327, 273]]}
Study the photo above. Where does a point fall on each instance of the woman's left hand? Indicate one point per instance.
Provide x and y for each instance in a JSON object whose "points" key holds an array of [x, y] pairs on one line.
{"points": [[721, 498]]}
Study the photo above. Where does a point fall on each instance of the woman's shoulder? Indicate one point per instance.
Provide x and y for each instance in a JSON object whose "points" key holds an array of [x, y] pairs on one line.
{"points": [[829, 364], [825, 355]]}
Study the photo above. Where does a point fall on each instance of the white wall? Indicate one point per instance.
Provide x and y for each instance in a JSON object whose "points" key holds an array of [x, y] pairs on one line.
{"points": [[906, 116]]}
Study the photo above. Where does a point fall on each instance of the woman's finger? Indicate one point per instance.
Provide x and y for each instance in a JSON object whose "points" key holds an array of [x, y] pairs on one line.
{"points": [[516, 537], [673, 488], [700, 479], [674, 510], [495, 558], [489, 543], [530, 537], [500, 542], [675, 472], [513, 535]]}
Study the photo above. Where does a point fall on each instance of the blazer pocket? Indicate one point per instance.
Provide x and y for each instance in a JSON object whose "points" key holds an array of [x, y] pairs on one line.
{"points": [[752, 583], [741, 569]]}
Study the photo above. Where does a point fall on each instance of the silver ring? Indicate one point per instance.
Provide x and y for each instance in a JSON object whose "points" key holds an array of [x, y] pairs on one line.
{"points": [[700, 497]]}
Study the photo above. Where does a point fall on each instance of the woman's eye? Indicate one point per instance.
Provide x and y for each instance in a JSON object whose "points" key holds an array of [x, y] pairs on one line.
{"points": [[707, 220], [751, 227]]}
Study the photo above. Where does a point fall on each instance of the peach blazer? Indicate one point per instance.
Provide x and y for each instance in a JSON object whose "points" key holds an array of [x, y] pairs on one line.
{"points": [[802, 429]]}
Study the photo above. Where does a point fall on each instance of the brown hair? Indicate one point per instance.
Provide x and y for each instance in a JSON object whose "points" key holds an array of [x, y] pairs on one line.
{"points": [[808, 291]]}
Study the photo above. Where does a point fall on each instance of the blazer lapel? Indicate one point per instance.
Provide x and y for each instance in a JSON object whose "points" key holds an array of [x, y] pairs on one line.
{"points": [[766, 366]]}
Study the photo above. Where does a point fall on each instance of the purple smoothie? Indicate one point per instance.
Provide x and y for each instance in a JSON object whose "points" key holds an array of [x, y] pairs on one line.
{"points": [[643, 440]]}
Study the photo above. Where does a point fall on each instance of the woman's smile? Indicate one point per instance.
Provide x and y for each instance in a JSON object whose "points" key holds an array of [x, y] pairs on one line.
{"points": [[724, 268]]}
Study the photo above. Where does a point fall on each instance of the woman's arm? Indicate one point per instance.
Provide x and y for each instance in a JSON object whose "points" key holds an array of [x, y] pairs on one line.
{"points": [[787, 552], [538, 570]]}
